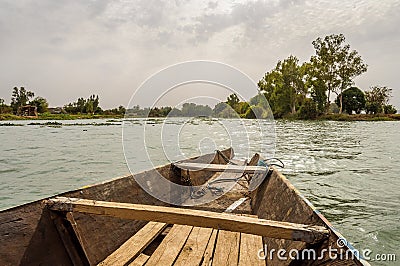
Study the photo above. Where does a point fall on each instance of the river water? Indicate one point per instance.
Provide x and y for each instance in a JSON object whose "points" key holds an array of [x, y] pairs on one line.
{"points": [[349, 170]]}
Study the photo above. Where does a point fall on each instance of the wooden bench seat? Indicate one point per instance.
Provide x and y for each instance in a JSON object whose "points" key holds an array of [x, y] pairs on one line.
{"points": [[221, 167]]}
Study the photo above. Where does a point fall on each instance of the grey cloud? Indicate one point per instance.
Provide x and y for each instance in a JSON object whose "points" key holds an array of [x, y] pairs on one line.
{"points": [[79, 44], [253, 16], [212, 5], [143, 13]]}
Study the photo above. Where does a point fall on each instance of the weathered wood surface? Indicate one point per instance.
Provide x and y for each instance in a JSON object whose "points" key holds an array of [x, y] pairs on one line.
{"points": [[193, 251], [68, 241], [140, 260], [170, 247], [170, 215], [221, 167], [70, 218], [227, 248], [27, 232], [209, 252], [134, 245], [29, 235], [278, 199], [249, 247]]}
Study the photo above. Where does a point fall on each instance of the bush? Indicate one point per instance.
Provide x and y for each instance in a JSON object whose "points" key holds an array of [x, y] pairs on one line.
{"points": [[308, 110], [389, 109]]}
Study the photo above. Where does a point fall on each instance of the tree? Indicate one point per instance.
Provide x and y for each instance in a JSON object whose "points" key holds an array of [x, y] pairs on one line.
{"points": [[89, 107], [241, 108], [41, 104], [336, 65], [376, 98], [284, 85], [4, 108], [232, 100], [389, 109], [84, 106], [353, 99], [316, 86], [192, 109], [175, 112], [20, 97], [2, 105], [308, 110], [121, 110], [219, 108]]}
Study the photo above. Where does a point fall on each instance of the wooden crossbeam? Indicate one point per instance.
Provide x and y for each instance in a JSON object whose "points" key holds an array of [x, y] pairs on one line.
{"points": [[170, 215], [221, 167]]}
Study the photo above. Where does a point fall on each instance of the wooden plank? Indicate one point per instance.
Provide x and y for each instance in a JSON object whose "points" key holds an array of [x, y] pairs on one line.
{"points": [[140, 260], [67, 241], [134, 245], [170, 247], [227, 248], [70, 217], [193, 251], [170, 215], [208, 254], [249, 247], [221, 167]]}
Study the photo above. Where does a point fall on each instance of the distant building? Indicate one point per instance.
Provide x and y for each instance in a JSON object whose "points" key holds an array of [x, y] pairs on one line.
{"points": [[56, 110], [27, 110]]}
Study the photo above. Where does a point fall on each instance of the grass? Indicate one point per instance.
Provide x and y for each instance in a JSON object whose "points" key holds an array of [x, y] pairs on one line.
{"points": [[360, 117]]}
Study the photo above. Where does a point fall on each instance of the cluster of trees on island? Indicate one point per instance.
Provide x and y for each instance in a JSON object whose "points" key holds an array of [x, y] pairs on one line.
{"points": [[292, 90], [304, 90]]}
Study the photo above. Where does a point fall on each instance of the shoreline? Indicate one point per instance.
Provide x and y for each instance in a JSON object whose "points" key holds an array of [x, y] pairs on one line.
{"points": [[327, 117]]}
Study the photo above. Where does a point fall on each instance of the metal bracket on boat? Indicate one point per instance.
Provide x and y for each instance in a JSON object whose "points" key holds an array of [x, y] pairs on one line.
{"points": [[62, 204]]}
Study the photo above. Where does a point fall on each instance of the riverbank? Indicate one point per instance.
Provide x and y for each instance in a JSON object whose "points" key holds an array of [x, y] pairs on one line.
{"points": [[46, 116], [360, 117], [327, 117]]}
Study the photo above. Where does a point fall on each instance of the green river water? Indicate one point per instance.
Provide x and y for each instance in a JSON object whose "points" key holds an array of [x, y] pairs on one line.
{"points": [[349, 170]]}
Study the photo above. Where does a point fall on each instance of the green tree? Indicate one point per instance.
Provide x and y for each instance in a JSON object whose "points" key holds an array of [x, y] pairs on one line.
{"points": [[353, 99], [41, 104], [316, 86], [89, 107], [20, 97], [389, 109], [121, 110], [241, 108], [218, 108], [308, 110], [85, 106], [284, 85], [337, 66], [4, 108], [232, 100], [175, 112], [2, 105], [376, 98], [80, 105]]}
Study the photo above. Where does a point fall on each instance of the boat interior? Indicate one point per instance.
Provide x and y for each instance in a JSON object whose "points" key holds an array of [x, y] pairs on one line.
{"points": [[227, 213]]}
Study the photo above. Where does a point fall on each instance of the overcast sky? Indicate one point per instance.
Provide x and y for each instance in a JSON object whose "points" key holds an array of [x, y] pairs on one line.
{"points": [[62, 50]]}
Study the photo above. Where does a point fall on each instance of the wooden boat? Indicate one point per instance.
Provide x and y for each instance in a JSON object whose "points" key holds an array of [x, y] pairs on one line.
{"points": [[118, 223]]}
